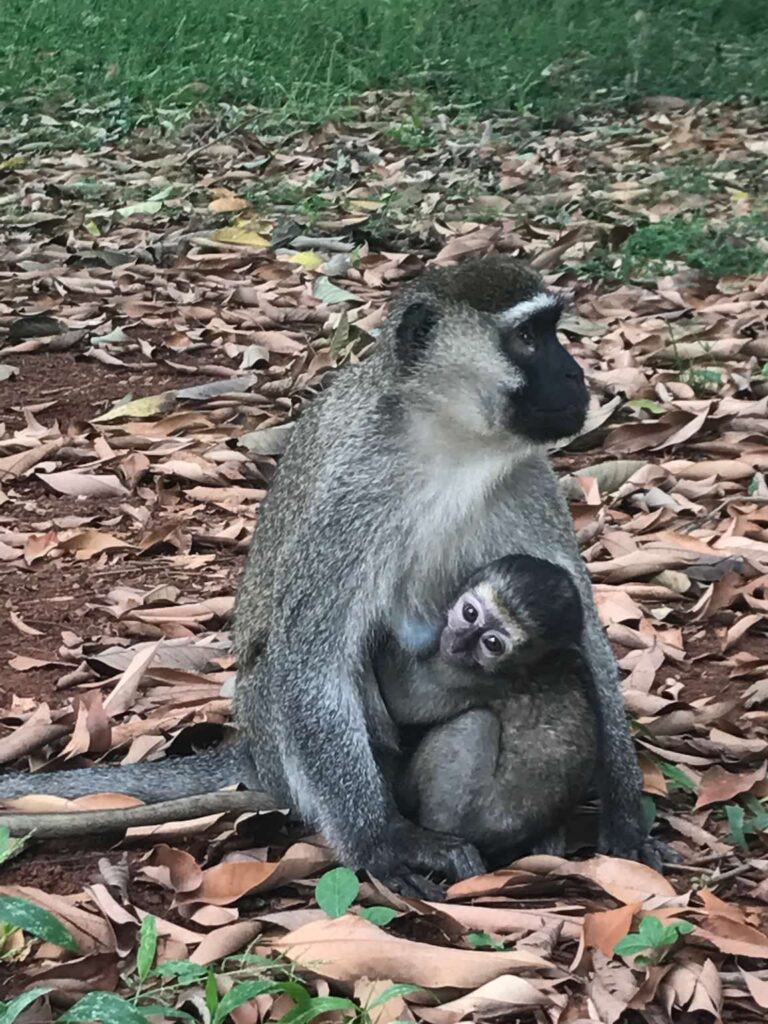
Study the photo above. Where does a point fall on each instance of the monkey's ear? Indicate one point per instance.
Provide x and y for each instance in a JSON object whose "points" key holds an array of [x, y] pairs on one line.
{"points": [[414, 331]]}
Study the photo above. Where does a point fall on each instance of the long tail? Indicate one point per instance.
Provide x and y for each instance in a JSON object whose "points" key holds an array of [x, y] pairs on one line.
{"points": [[152, 782]]}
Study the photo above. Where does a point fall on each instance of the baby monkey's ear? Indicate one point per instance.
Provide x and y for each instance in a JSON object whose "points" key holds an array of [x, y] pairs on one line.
{"points": [[415, 331]]}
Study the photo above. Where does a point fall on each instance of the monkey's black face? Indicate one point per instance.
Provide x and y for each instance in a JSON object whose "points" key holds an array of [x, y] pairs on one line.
{"points": [[553, 400]]}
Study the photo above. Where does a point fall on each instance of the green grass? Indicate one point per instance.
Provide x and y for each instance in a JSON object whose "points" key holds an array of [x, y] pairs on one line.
{"points": [[718, 250], [307, 57]]}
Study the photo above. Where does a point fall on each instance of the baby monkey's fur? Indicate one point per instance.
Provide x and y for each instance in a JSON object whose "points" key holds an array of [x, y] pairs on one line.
{"points": [[510, 741]]}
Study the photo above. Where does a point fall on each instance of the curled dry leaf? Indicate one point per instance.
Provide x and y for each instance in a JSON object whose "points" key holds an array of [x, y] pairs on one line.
{"points": [[503, 995], [84, 485], [604, 929], [625, 880], [349, 948], [227, 882], [225, 941], [719, 786]]}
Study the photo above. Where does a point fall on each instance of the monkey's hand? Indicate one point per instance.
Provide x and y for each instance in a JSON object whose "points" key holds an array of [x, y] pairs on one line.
{"points": [[411, 852], [645, 849], [656, 854]]}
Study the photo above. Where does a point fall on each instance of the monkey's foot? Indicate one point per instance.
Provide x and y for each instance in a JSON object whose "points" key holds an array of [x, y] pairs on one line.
{"points": [[647, 850], [657, 853], [411, 851], [416, 886]]}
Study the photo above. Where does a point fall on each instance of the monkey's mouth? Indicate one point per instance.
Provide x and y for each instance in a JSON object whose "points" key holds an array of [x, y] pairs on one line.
{"points": [[549, 423]]}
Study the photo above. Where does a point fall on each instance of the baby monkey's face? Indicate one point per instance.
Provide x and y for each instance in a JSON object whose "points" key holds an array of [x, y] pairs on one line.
{"points": [[481, 633]]}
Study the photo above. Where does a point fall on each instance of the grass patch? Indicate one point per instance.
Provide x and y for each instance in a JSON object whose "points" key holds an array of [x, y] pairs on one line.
{"points": [[718, 250], [306, 58]]}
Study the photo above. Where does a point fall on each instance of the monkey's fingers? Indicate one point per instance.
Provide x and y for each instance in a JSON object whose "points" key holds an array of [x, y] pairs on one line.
{"points": [[656, 854], [82, 823], [409, 884], [465, 862]]}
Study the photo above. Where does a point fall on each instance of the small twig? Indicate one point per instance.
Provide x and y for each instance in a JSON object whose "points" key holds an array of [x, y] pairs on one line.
{"points": [[732, 499], [234, 247], [707, 858], [741, 869], [683, 869]]}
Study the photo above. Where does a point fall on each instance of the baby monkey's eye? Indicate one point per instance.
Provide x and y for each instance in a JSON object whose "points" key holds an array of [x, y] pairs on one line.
{"points": [[469, 612], [493, 644]]}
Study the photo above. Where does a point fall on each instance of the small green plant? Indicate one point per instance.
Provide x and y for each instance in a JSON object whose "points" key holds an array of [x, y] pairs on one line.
{"points": [[338, 889], [718, 250], [733, 247], [747, 820], [11, 846], [482, 940], [410, 134], [12, 1010], [17, 913], [145, 955], [677, 778], [652, 940], [705, 380]]}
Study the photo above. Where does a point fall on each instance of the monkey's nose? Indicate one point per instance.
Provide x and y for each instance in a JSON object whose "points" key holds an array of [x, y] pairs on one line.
{"points": [[453, 645]]}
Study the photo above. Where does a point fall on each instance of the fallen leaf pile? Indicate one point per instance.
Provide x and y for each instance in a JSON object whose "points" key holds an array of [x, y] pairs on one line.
{"points": [[167, 306]]}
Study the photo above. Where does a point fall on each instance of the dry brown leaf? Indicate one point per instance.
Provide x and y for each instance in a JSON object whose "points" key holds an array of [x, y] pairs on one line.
{"points": [[173, 869], [227, 882], [91, 733], [225, 941], [22, 626], [13, 466], [604, 929], [86, 544], [80, 484], [350, 948], [504, 995], [719, 786], [625, 880], [124, 694], [758, 988]]}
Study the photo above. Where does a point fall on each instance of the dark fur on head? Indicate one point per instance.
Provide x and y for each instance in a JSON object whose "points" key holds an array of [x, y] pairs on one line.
{"points": [[541, 595]]}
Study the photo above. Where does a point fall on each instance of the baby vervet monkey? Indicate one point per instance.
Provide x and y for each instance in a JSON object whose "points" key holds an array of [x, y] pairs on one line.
{"points": [[511, 738]]}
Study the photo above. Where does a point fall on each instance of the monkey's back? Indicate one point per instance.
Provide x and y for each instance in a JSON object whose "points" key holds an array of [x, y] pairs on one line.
{"points": [[548, 743], [506, 773]]}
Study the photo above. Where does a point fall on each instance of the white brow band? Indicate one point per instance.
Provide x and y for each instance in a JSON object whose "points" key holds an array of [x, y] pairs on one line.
{"points": [[522, 311]]}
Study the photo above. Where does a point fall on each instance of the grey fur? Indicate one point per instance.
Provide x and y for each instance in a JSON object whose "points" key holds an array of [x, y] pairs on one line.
{"points": [[151, 781], [397, 482], [507, 774], [509, 749]]}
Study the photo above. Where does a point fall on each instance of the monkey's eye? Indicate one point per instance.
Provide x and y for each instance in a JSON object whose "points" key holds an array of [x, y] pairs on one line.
{"points": [[469, 612], [492, 644], [527, 337]]}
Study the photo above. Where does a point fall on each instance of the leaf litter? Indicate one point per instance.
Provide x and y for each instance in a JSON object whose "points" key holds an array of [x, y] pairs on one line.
{"points": [[156, 345]]}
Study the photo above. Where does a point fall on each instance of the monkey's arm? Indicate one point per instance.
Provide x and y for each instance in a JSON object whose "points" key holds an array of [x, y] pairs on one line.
{"points": [[324, 744], [169, 779]]}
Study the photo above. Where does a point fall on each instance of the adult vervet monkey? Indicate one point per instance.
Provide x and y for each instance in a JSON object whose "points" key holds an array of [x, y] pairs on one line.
{"points": [[412, 469]]}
